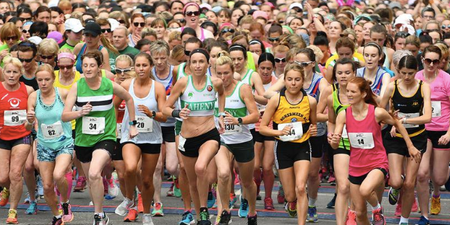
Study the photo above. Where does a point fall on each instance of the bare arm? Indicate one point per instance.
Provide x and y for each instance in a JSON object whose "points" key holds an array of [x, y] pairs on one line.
{"points": [[339, 127], [31, 117], [249, 101], [106, 66], [175, 93], [387, 95], [275, 88], [325, 90], [259, 87], [267, 116], [68, 114], [161, 99]]}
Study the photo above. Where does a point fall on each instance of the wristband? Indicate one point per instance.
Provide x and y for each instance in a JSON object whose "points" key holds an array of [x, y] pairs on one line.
{"points": [[404, 120], [221, 114], [132, 123], [153, 114], [176, 113]]}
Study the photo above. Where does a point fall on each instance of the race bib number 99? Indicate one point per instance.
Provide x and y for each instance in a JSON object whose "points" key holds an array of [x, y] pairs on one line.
{"points": [[144, 124], [295, 133], [361, 140], [93, 125], [52, 131], [15, 117]]}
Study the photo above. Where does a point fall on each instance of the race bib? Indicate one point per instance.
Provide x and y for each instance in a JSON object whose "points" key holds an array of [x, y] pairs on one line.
{"points": [[344, 132], [232, 129], [144, 124], [435, 108], [15, 117], [361, 140], [295, 133], [119, 129], [93, 125], [52, 131], [181, 142], [408, 116]]}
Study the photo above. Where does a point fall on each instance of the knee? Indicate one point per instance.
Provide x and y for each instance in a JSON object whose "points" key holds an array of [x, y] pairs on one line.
{"points": [[15, 177], [224, 175], [300, 189], [422, 177], [147, 182], [439, 181], [409, 186], [365, 192], [59, 175], [48, 187], [247, 184], [313, 175], [396, 183], [200, 170], [267, 169], [361, 212], [130, 171], [93, 176], [29, 169], [344, 188], [4, 180], [172, 169]]}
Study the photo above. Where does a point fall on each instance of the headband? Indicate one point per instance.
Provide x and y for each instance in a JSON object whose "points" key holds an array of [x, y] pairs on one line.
{"points": [[190, 4], [237, 47], [66, 55], [202, 51]]}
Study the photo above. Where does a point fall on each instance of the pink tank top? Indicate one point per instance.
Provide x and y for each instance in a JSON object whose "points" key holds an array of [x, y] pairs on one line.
{"points": [[366, 144]]}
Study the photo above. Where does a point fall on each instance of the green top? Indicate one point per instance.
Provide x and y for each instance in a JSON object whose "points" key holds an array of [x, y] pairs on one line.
{"points": [[338, 107], [250, 61], [100, 123], [112, 56]]}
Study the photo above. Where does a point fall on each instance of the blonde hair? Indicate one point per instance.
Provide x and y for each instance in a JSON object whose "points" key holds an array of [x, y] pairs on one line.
{"points": [[47, 68], [128, 59], [223, 59], [9, 29], [294, 67], [148, 32], [174, 35], [48, 46], [317, 52], [280, 49], [14, 61]]}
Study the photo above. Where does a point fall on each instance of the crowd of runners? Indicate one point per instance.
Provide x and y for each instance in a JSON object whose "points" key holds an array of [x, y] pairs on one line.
{"points": [[114, 95]]}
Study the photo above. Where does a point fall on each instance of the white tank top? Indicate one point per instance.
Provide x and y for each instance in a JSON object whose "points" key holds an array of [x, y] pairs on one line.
{"points": [[200, 102]]}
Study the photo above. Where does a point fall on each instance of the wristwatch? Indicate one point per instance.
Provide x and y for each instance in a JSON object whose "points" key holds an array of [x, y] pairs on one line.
{"points": [[240, 121], [132, 123]]}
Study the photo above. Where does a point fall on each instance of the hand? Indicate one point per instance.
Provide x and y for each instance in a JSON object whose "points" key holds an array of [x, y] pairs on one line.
{"points": [[336, 138], [143, 109], [31, 116], [86, 109], [393, 131], [229, 119], [286, 130], [221, 125], [415, 154], [3, 53], [330, 138], [444, 139], [313, 130], [395, 115], [184, 113], [133, 132]]}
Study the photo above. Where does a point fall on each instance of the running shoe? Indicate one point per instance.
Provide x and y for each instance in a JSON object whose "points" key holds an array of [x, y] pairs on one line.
{"points": [[252, 220], [158, 209], [98, 220], [131, 216], [225, 218], [57, 221], [122, 209], [291, 208], [204, 217], [243, 209], [211, 199], [170, 191], [233, 200], [393, 195], [113, 189], [332, 179], [147, 219], [12, 217], [4, 197], [351, 217], [268, 203], [67, 212], [280, 196], [187, 219], [312, 215], [140, 204], [176, 189], [331, 204], [32, 209], [81, 184], [423, 221], [435, 205], [378, 217]]}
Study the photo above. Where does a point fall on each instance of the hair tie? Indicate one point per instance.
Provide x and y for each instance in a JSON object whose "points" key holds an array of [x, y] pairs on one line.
{"points": [[66, 55]]}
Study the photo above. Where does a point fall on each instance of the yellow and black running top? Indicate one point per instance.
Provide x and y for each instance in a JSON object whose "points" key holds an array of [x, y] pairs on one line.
{"points": [[295, 114]]}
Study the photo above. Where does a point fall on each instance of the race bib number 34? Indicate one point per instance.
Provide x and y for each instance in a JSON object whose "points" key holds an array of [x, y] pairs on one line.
{"points": [[361, 140], [93, 125], [15, 117], [295, 133], [52, 131]]}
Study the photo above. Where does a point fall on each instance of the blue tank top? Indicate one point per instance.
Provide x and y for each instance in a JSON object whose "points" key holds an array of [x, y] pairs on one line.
{"points": [[314, 91], [78, 65], [52, 132], [378, 82], [167, 83]]}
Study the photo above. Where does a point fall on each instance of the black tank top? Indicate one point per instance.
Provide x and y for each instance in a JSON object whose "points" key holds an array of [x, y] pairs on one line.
{"points": [[410, 107]]}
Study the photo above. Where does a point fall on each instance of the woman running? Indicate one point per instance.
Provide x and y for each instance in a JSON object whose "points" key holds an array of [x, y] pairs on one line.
{"points": [[96, 124], [411, 99], [15, 140], [368, 165], [236, 140], [55, 142], [438, 131], [199, 139], [293, 113], [149, 98]]}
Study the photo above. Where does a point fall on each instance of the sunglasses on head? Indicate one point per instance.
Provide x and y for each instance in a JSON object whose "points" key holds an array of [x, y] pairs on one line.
{"points": [[122, 71], [47, 56], [26, 60], [67, 67], [429, 61], [192, 13], [106, 30], [303, 64], [280, 60], [187, 53], [274, 39], [226, 30], [136, 24]]}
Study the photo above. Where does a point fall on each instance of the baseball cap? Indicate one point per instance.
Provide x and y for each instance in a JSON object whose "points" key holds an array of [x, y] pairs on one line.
{"points": [[296, 5], [55, 35], [262, 14], [205, 6], [74, 25], [93, 29], [393, 5]]}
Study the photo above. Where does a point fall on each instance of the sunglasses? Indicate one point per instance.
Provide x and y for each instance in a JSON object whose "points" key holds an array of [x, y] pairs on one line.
{"points": [[25, 31], [280, 60], [192, 13], [25, 19], [280, 21], [303, 64], [297, 9], [26, 60], [187, 52], [274, 39], [106, 30], [401, 35], [122, 71], [11, 38], [226, 30], [445, 27], [47, 57], [181, 21], [429, 61], [68, 67], [121, 21], [136, 24]]}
